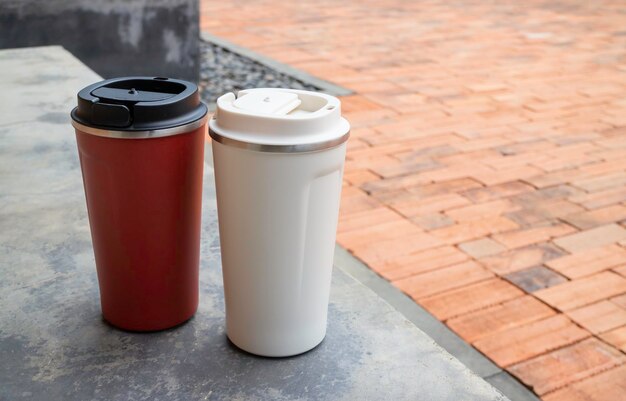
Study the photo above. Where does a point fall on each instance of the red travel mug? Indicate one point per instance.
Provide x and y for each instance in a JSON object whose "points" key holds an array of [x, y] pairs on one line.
{"points": [[141, 146]]}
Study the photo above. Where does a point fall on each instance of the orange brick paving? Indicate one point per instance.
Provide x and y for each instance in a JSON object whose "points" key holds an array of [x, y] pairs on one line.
{"points": [[486, 173]]}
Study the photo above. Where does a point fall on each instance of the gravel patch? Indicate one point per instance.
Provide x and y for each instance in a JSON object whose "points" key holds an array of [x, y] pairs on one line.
{"points": [[223, 71]]}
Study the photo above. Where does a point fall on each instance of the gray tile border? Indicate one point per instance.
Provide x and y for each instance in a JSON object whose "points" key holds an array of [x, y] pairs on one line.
{"points": [[325, 86], [510, 387], [438, 331]]}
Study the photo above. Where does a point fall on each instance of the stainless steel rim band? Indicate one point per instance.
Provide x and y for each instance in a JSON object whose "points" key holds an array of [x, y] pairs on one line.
{"points": [[158, 133], [299, 148]]}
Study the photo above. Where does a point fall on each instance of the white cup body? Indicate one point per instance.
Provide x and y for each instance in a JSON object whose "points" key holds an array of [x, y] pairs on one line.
{"points": [[277, 220]]}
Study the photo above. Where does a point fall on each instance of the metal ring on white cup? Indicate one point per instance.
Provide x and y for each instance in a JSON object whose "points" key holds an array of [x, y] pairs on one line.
{"points": [[297, 148]]}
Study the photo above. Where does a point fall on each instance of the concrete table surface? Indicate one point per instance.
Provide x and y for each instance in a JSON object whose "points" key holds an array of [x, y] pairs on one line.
{"points": [[54, 344]]}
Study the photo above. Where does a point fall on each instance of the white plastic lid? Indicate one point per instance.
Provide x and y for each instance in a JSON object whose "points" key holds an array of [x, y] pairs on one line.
{"points": [[286, 120]]}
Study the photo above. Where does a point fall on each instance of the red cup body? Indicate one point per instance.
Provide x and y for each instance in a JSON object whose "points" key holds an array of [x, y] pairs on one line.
{"points": [[144, 199]]}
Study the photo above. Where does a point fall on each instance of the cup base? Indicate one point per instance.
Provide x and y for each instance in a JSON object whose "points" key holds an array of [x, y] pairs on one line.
{"points": [[274, 353], [139, 328]]}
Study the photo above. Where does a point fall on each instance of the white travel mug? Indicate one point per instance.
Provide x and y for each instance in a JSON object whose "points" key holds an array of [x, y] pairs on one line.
{"points": [[278, 156]]}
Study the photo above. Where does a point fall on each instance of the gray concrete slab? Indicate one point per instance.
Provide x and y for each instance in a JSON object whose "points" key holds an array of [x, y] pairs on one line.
{"points": [[54, 344]]}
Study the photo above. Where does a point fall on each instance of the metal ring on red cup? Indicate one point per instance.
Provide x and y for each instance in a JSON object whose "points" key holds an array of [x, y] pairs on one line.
{"points": [[157, 133]]}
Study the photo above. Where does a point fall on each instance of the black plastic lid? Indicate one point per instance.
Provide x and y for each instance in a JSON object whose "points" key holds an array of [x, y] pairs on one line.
{"points": [[139, 104]]}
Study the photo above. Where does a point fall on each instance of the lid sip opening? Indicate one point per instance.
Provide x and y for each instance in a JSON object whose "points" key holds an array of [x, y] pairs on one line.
{"points": [[268, 102], [285, 102]]}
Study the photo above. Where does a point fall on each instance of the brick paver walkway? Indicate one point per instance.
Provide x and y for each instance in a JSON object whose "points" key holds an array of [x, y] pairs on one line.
{"points": [[486, 174]]}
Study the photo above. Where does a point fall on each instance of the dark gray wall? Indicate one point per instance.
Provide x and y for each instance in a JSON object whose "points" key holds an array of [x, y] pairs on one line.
{"points": [[113, 37]]}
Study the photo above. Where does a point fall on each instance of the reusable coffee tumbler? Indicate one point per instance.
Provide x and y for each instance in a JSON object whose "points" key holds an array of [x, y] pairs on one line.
{"points": [[141, 147], [278, 160]]}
